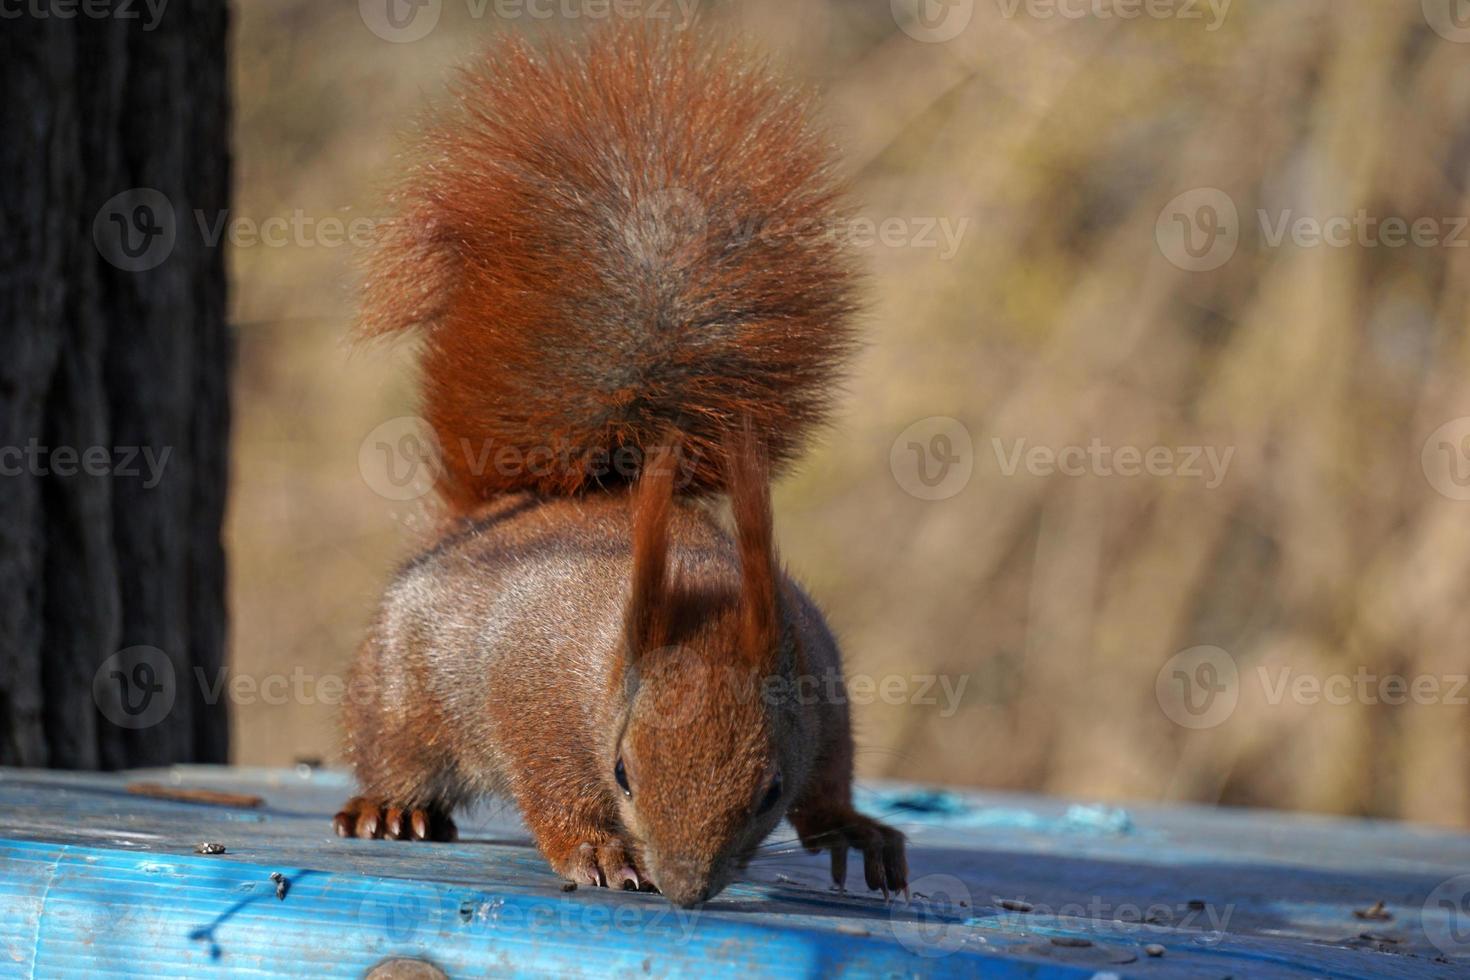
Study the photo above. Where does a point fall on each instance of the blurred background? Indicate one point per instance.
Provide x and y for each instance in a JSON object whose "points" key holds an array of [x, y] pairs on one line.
{"points": [[1152, 481]]}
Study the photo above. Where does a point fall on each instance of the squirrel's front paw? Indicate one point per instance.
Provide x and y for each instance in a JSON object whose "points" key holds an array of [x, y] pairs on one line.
{"points": [[885, 865], [605, 863], [365, 818]]}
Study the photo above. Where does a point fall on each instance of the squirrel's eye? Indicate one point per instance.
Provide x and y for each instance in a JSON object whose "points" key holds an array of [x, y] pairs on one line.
{"points": [[621, 775], [773, 795]]}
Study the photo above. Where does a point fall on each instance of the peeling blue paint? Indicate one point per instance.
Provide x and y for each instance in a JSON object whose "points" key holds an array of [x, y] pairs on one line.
{"points": [[96, 880]]}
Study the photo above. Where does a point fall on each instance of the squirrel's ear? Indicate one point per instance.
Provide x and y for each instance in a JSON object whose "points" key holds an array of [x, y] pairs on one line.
{"points": [[749, 476], [646, 620]]}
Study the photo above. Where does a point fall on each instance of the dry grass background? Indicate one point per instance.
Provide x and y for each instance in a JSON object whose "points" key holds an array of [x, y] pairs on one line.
{"points": [[1059, 319]]}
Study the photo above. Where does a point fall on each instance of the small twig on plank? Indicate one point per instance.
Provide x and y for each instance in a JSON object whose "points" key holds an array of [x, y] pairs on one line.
{"points": [[185, 795]]}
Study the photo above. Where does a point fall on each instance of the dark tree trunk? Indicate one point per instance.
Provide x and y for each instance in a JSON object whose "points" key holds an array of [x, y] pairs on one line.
{"points": [[114, 397]]}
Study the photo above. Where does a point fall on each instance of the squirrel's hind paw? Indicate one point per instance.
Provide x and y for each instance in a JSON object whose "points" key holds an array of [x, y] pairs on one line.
{"points": [[362, 817]]}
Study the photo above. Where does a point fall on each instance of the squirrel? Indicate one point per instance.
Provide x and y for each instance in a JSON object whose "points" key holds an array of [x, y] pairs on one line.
{"points": [[616, 255]]}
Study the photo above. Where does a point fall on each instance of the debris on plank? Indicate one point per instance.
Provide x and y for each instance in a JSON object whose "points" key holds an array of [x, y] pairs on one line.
{"points": [[185, 795], [1377, 913]]}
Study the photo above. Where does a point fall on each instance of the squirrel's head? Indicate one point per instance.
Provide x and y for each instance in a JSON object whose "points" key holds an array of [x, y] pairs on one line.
{"points": [[711, 746]]}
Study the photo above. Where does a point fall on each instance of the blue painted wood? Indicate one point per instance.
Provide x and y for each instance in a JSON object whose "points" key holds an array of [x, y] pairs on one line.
{"points": [[95, 879]]}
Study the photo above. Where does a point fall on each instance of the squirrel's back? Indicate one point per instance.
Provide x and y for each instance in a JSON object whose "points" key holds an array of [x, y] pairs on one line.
{"points": [[609, 244]]}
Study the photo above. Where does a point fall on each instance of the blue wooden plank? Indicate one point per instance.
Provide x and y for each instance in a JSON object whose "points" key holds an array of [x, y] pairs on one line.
{"points": [[93, 878]]}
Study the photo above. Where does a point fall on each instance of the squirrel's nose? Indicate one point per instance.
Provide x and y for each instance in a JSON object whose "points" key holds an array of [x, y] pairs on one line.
{"points": [[684, 882], [686, 896]]}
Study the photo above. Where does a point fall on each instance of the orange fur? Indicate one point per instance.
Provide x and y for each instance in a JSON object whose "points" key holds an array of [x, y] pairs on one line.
{"points": [[608, 241], [750, 500], [646, 621]]}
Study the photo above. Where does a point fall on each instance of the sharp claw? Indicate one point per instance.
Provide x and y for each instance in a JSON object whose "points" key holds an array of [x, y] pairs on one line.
{"points": [[367, 827], [626, 879]]}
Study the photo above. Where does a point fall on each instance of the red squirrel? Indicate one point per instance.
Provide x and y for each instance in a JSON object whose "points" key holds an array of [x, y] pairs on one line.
{"points": [[618, 255]]}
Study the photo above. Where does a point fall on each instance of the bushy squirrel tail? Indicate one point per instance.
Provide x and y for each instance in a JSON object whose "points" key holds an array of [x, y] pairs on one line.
{"points": [[610, 245]]}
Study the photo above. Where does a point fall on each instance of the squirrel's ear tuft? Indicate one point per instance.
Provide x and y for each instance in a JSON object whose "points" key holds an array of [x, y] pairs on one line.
{"points": [[646, 619], [749, 476]]}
